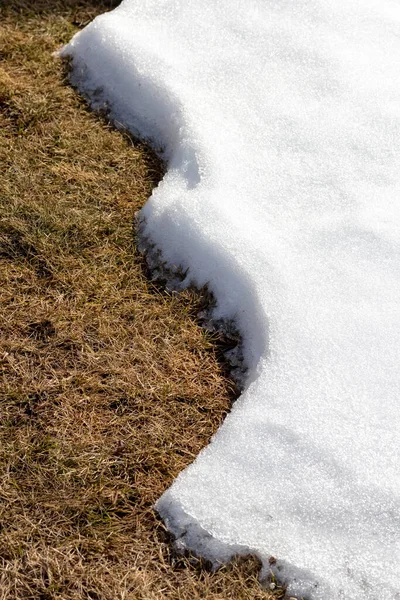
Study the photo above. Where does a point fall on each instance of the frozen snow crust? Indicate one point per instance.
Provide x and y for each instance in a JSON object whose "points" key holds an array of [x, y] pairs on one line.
{"points": [[281, 127]]}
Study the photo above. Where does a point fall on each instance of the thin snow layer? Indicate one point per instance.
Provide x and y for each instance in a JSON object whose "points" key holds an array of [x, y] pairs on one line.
{"points": [[281, 127]]}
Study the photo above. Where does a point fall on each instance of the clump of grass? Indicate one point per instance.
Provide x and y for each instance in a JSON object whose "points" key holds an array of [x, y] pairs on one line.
{"points": [[108, 387]]}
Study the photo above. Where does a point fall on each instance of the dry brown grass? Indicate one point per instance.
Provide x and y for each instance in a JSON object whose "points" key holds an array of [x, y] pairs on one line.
{"points": [[108, 386]]}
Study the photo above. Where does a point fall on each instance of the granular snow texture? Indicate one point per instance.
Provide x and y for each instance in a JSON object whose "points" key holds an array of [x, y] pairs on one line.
{"points": [[280, 123]]}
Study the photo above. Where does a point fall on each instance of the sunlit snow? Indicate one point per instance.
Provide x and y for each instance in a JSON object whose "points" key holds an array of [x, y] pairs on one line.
{"points": [[280, 121]]}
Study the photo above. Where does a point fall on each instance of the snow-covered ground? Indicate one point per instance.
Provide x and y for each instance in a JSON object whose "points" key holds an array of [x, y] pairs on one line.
{"points": [[280, 121]]}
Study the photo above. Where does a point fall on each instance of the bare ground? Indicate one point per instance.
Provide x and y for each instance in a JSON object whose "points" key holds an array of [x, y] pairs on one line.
{"points": [[108, 387]]}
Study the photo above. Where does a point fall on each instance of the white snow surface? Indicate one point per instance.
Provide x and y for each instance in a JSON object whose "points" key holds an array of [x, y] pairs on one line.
{"points": [[280, 121]]}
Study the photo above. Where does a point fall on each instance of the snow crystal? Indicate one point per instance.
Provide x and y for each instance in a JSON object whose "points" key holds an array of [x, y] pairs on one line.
{"points": [[280, 122]]}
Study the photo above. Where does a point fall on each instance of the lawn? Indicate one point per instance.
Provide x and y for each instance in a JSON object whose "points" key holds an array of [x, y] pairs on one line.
{"points": [[109, 387]]}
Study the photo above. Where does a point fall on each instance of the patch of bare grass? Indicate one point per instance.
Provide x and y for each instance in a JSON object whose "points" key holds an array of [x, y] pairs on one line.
{"points": [[108, 388]]}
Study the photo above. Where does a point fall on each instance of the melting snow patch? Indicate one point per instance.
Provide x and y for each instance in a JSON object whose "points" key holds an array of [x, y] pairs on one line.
{"points": [[280, 122]]}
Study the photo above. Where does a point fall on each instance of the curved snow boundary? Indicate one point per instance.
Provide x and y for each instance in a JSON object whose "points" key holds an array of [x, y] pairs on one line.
{"points": [[155, 116], [188, 533], [282, 127]]}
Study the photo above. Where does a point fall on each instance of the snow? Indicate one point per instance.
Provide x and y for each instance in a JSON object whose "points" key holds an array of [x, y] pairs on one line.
{"points": [[280, 122]]}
